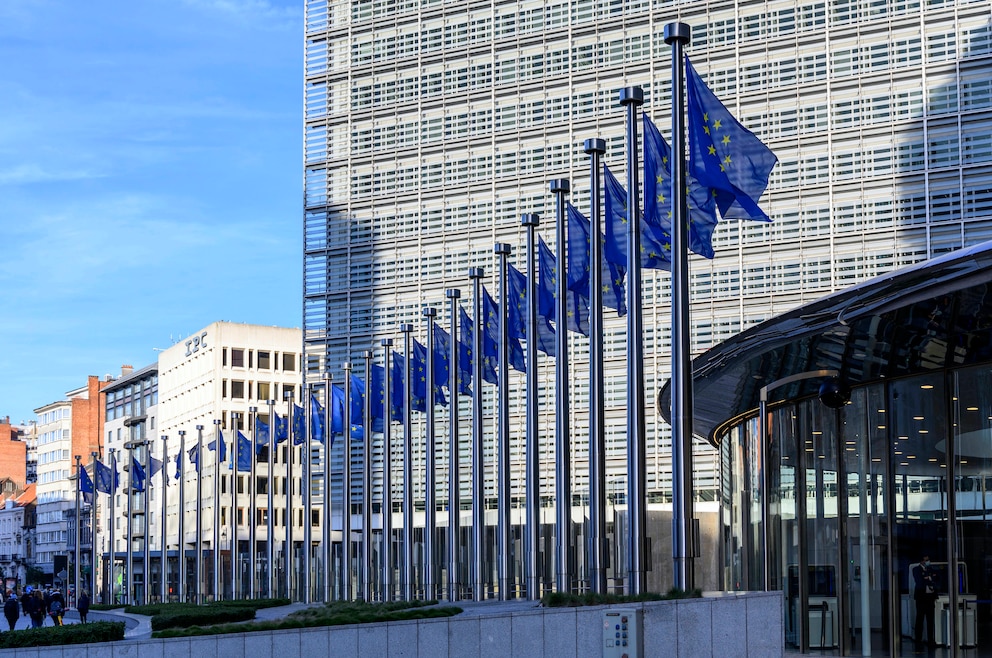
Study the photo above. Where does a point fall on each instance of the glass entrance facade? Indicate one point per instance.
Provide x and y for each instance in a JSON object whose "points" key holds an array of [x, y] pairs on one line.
{"points": [[858, 495]]}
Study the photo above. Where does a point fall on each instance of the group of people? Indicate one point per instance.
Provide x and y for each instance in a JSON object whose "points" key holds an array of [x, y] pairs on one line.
{"points": [[37, 604]]}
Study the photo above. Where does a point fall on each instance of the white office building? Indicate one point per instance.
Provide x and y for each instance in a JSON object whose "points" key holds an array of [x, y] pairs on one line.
{"points": [[430, 127]]}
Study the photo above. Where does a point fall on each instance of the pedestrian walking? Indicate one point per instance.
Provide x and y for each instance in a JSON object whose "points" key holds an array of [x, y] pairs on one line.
{"points": [[11, 609], [83, 606]]}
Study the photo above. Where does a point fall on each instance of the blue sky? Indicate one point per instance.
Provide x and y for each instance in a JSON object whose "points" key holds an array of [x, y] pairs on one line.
{"points": [[150, 181]]}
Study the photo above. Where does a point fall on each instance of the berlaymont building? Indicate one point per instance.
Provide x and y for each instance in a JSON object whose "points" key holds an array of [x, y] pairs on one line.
{"points": [[431, 127]]}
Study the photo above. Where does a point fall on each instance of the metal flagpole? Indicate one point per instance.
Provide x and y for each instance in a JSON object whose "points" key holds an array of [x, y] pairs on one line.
{"points": [[146, 498], [478, 464], [198, 583], [113, 521], [270, 529], [129, 565], [252, 504], [346, 489], [632, 98], [235, 476], [163, 562], [677, 35], [505, 572], [215, 539], [287, 546], [430, 499], [454, 477], [93, 528], [563, 453], [597, 433], [77, 557], [305, 485], [387, 473], [408, 577], [326, 552], [367, 481], [532, 455], [181, 518]]}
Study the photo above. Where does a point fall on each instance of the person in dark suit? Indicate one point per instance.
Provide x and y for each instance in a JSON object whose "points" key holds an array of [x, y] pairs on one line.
{"points": [[925, 594]]}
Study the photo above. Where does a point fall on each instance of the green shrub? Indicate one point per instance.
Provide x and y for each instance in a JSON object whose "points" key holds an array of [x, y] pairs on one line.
{"points": [[568, 600], [207, 614], [170, 608], [105, 606], [101, 631], [332, 614]]}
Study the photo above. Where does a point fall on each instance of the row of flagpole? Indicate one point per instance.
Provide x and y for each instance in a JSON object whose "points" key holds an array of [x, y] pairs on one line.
{"points": [[579, 282]]}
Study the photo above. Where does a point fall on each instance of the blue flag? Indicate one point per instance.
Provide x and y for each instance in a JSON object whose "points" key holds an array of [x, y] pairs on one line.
{"points": [[179, 465], [299, 425], [442, 345], [419, 366], [491, 350], [357, 407], [317, 419], [244, 453], [378, 397], [223, 446], [282, 428], [658, 189], [517, 285], [261, 434], [105, 480], [724, 156], [576, 305], [85, 485], [194, 457], [614, 295], [137, 475], [397, 385], [656, 243], [489, 347], [154, 465]]}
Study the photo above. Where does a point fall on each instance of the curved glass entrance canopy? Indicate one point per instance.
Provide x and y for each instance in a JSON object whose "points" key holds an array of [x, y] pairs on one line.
{"points": [[834, 504]]}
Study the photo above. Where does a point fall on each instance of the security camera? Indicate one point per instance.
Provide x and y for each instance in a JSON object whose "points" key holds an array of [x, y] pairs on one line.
{"points": [[834, 393]]}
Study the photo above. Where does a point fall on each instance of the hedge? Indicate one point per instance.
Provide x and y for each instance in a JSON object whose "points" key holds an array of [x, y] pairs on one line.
{"points": [[567, 600], [208, 614], [170, 608], [100, 631]]}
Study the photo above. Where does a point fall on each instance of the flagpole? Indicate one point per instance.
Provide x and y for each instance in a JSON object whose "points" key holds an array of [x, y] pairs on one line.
{"points": [[678, 35], [146, 539], [305, 485], [198, 589], [252, 505], [408, 577], [77, 556], [93, 528], [367, 481], [215, 530], [288, 514], [235, 427], [430, 503], [454, 477], [164, 555], [326, 548], [503, 250], [181, 518], [597, 541], [632, 98], [532, 538], [387, 473], [128, 577], [270, 536], [346, 489], [112, 519], [563, 448], [478, 464]]}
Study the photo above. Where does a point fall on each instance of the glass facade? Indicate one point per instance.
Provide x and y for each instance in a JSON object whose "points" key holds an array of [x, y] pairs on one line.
{"points": [[431, 126]]}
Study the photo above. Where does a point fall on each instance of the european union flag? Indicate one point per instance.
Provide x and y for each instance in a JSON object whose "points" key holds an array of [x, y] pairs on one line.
{"points": [[261, 434], [357, 406], [85, 485], [282, 428], [105, 480], [378, 396], [442, 349], [194, 456], [517, 285], [397, 386], [489, 347], [656, 243], [657, 194], [137, 475], [579, 228], [223, 446], [724, 155], [419, 367], [576, 305], [490, 350], [317, 419], [179, 466], [337, 411], [244, 453], [299, 425], [154, 466]]}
